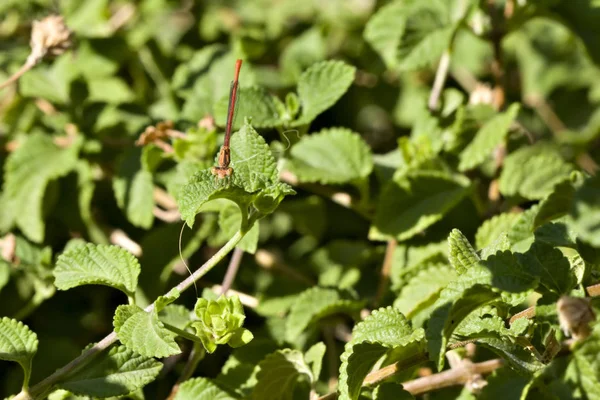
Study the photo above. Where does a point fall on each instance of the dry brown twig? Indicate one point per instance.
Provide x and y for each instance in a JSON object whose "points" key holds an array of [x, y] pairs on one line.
{"points": [[50, 36]]}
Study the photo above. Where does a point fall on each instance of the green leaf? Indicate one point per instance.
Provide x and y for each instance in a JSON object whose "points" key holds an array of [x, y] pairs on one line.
{"points": [[585, 211], [201, 389], [415, 201], [462, 255], [532, 172], [384, 31], [143, 332], [97, 265], [254, 170], [332, 156], [116, 372], [314, 358], [253, 103], [279, 374], [314, 304], [556, 204], [321, 86], [134, 190], [385, 331], [50, 82], [447, 317], [18, 344], [110, 90], [423, 289], [492, 228], [27, 173], [490, 136], [551, 266]]}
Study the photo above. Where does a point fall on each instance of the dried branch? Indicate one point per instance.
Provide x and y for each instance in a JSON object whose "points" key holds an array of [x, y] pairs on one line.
{"points": [[386, 270], [48, 36]]}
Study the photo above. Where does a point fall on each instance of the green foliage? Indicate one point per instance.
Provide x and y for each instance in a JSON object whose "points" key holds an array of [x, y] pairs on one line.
{"points": [[444, 159], [91, 264]]}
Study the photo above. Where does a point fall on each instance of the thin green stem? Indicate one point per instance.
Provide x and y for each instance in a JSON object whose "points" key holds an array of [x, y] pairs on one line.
{"points": [[182, 333], [44, 387]]}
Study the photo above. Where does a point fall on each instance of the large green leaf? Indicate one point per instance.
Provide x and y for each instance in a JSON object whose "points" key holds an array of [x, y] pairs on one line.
{"points": [[321, 86], [335, 155], [317, 303], [28, 172], [19, 344], [532, 172], [92, 264], [423, 289], [490, 136], [117, 372], [551, 266], [415, 201], [384, 31]]}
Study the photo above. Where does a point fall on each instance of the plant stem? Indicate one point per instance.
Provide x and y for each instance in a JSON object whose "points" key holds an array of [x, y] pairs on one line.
{"points": [[440, 79], [182, 333], [196, 355], [386, 270], [45, 386], [26, 67], [232, 269]]}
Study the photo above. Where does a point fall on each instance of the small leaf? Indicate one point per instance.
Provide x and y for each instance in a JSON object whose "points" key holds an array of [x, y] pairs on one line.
{"points": [[279, 374], [449, 316], [314, 358], [321, 86], [201, 389], [385, 331], [97, 265], [335, 155], [462, 255], [253, 103], [316, 303], [117, 372], [19, 344], [415, 201], [490, 136], [143, 332], [492, 228]]}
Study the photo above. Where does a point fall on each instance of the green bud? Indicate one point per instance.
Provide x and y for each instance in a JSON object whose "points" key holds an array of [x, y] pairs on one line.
{"points": [[220, 322]]}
